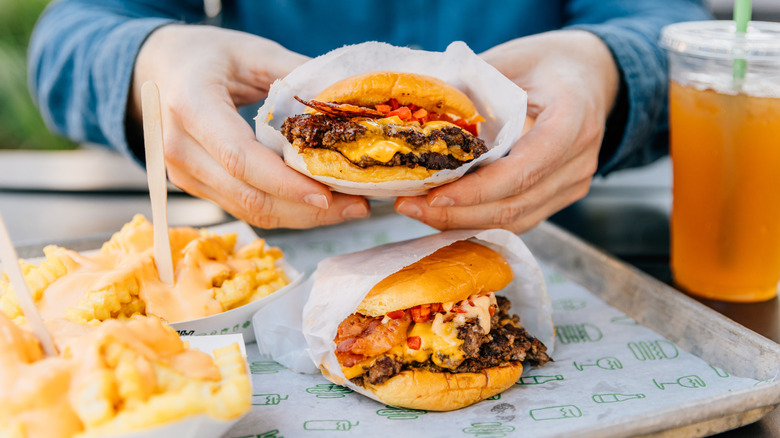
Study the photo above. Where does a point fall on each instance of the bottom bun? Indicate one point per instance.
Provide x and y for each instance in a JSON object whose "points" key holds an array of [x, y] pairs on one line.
{"points": [[324, 162], [430, 391]]}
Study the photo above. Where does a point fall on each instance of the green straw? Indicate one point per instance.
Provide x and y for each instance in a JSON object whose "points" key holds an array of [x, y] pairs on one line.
{"points": [[742, 12]]}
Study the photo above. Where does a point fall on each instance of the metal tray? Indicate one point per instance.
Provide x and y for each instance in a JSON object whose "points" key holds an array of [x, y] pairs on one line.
{"points": [[682, 320]]}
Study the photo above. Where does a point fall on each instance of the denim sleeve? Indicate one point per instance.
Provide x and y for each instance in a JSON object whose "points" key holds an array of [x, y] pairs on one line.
{"points": [[637, 129], [80, 63]]}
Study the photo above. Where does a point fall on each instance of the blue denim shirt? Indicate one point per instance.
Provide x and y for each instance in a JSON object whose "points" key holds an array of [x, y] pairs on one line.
{"points": [[82, 51]]}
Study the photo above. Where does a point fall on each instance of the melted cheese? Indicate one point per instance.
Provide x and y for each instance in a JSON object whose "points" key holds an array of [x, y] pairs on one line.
{"points": [[381, 148], [439, 342]]}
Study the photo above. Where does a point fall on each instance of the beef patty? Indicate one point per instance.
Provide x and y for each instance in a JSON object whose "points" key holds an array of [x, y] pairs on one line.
{"points": [[322, 131]]}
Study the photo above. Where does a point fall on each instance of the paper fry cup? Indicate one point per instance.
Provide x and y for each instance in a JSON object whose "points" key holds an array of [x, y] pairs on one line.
{"points": [[500, 101], [238, 320]]}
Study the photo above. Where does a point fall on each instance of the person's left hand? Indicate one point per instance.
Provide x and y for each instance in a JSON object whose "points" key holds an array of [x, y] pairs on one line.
{"points": [[572, 82]]}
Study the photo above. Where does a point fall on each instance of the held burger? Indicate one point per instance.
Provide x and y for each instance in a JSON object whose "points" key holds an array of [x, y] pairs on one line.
{"points": [[435, 336], [382, 126]]}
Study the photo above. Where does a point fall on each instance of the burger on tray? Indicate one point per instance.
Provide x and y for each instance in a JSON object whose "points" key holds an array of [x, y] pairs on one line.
{"points": [[436, 332]]}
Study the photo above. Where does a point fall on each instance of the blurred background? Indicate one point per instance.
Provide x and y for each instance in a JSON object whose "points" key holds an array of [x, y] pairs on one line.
{"points": [[21, 126]]}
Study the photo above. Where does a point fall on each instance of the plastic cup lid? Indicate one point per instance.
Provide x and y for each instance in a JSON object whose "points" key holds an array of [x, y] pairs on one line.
{"points": [[719, 39]]}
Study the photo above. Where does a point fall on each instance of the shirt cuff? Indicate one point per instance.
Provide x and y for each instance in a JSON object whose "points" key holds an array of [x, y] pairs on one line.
{"points": [[636, 129], [113, 75]]}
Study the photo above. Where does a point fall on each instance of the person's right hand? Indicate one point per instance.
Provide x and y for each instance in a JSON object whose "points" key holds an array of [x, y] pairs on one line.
{"points": [[204, 73]]}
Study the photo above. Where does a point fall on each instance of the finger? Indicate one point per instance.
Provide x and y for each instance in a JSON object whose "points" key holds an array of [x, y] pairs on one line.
{"points": [[517, 214], [542, 150], [211, 119], [556, 191], [205, 178]]}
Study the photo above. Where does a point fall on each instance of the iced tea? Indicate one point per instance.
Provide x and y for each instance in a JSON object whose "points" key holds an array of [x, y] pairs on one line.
{"points": [[725, 150]]}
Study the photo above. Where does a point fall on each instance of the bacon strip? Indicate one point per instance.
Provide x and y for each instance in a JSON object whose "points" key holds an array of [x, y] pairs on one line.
{"points": [[341, 109], [361, 337]]}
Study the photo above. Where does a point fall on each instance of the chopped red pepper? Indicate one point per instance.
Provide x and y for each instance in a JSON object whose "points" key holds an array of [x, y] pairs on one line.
{"points": [[421, 313], [396, 314], [435, 307], [459, 310], [382, 108], [492, 310], [420, 113], [471, 303], [414, 342], [393, 103], [404, 113]]}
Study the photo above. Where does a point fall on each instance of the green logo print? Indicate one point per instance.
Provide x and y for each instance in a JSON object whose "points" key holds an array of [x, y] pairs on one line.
{"points": [[556, 278], [270, 434], [265, 367], [340, 425], [605, 363], [578, 333], [720, 372], [556, 413], [245, 324], [329, 390], [569, 304], [267, 399], [615, 398], [495, 397], [654, 350], [684, 381], [538, 380], [393, 413], [489, 430], [623, 320]]}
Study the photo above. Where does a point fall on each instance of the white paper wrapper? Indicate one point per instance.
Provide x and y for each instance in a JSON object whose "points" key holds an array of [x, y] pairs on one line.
{"points": [[197, 426], [340, 284], [500, 101]]}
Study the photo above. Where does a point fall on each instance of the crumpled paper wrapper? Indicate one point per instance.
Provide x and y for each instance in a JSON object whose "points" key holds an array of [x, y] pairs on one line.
{"points": [[500, 101], [340, 283]]}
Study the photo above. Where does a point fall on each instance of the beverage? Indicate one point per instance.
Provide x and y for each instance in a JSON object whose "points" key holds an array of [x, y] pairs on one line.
{"points": [[724, 122], [725, 225]]}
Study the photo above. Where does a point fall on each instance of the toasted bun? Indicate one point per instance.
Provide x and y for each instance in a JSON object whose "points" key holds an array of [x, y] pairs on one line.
{"points": [[452, 273], [421, 389], [372, 88], [325, 162]]}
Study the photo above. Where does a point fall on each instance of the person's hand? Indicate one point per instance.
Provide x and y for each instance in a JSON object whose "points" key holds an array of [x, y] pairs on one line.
{"points": [[572, 82], [204, 73]]}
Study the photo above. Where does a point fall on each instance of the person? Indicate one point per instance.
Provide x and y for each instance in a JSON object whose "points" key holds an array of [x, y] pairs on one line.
{"points": [[595, 77]]}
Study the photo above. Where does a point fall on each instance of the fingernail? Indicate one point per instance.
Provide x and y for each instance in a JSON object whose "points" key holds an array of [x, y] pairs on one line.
{"points": [[408, 209], [355, 211], [442, 201], [319, 201]]}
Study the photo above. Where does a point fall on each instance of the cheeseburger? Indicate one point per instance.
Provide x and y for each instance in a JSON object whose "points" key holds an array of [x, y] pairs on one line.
{"points": [[382, 126], [435, 336]]}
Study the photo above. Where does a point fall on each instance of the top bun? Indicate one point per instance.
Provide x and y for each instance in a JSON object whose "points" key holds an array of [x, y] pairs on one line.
{"points": [[450, 274], [377, 87]]}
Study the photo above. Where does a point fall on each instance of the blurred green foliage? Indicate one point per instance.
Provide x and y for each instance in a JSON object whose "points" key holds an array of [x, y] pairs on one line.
{"points": [[21, 125]]}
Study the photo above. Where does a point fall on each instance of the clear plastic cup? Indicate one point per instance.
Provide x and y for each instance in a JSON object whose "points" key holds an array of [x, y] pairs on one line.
{"points": [[725, 149]]}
